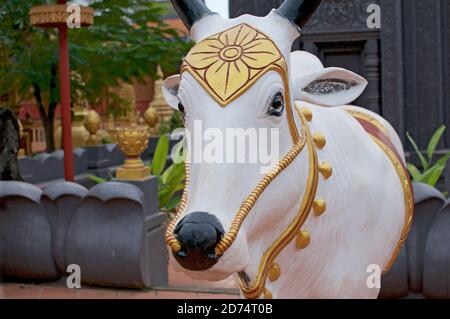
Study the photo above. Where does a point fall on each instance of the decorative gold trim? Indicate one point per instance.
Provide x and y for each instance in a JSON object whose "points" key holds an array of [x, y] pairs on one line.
{"points": [[250, 202], [274, 272], [307, 113], [320, 140], [170, 239], [267, 294], [303, 239], [409, 200], [326, 170], [52, 15], [319, 207], [369, 118], [228, 63], [256, 288]]}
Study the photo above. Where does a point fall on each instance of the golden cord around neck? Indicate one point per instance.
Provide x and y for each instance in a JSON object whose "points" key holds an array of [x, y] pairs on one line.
{"points": [[251, 199], [246, 206]]}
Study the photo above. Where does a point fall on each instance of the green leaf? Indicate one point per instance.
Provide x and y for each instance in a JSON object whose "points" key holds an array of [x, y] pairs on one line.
{"points": [[160, 157], [414, 171], [443, 160], [165, 195], [434, 143], [174, 172], [423, 161], [96, 179], [173, 203], [435, 175], [431, 176]]}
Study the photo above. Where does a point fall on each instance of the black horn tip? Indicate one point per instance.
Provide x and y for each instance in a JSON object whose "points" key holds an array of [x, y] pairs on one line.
{"points": [[190, 11], [298, 11]]}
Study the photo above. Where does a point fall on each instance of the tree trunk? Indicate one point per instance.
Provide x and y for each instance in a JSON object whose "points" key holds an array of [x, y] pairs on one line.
{"points": [[48, 118], [49, 129]]}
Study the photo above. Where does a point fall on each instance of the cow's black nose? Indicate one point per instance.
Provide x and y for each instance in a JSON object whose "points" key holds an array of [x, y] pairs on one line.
{"points": [[198, 234]]}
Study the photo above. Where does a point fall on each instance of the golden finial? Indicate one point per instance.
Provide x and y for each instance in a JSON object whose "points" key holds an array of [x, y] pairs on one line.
{"points": [[92, 123], [133, 141], [152, 119], [163, 110]]}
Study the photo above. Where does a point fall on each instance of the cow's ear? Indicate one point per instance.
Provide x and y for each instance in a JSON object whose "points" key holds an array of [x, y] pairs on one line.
{"points": [[329, 87], [170, 90]]}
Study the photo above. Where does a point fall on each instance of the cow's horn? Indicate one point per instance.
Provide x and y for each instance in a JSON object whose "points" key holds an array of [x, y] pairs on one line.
{"points": [[190, 11], [298, 11]]}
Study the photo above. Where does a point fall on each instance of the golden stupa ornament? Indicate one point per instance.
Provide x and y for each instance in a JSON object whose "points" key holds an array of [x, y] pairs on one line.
{"points": [[151, 118], [164, 111], [133, 141], [80, 134], [111, 128], [128, 95], [92, 122], [229, 63]]}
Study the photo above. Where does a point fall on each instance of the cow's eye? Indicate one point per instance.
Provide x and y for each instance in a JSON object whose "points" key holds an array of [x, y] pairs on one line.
{"points": [[277, 105], [180, 107]]}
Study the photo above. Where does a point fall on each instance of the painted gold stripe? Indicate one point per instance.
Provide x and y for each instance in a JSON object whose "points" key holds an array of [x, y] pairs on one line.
{"points": [[370, 119], [409, 199], [257, 287]]}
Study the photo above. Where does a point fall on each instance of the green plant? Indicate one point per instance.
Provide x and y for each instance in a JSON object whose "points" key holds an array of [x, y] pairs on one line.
{"points": [[96, 179], [106, 141], [170, 179], [431, 172]]}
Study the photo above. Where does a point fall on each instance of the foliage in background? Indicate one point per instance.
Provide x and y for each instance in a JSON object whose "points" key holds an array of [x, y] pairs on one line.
{"points": [[176, 121], [127, 42], [170, 179], [431, 172]]}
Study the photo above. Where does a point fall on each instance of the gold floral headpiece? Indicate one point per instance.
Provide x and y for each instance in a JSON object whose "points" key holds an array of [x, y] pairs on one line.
{"points": [[228, 63]]}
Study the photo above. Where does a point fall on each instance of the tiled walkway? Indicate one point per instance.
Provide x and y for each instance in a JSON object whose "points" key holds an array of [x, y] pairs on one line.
{"points": [[180, 287]]}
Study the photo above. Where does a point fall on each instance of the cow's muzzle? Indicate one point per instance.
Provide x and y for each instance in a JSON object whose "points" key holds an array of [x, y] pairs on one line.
{"points": [[198, 234]]}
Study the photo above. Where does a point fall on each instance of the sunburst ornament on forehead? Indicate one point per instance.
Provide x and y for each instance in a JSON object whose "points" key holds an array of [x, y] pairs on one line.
{"points": [[228, 63]]}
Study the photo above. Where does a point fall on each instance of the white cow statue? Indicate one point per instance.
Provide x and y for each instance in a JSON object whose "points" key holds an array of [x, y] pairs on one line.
{"points": [[334, 210]]}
